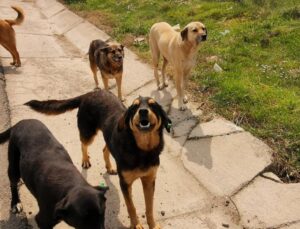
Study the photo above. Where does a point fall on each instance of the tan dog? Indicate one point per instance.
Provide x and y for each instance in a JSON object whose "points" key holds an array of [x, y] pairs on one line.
{"points": [[8, 36], [178, 48]]}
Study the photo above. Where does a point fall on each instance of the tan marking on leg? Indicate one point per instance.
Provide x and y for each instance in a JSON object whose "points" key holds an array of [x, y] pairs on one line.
{"points": [[148, 183], [119, 85], [129, 177], [85, 156], [108, 166], [105, 82]]}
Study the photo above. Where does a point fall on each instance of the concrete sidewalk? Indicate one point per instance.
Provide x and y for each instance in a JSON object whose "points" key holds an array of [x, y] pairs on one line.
{"points": [[211, 174]]}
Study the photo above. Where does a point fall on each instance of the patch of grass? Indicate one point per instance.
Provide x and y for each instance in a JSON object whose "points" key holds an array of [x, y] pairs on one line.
{"points": [[260, 85]]}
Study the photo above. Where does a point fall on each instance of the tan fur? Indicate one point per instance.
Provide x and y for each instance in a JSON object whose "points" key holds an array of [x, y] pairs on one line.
{"points": [[164, 40], [148, 181], [150, 139], [108, 166], [8, 36]]}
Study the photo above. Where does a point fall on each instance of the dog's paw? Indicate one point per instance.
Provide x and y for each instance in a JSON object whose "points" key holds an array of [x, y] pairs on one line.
{"points": [[17, 208], [166, 83], [157, 226], [86, 164], [138, 226], [185, 99], [112, 171], [160, 86], [183, 107]]}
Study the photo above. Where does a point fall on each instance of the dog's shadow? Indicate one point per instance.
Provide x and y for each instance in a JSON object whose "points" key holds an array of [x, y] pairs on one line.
{"points": [[112, 205], [8, 70], [15, 221]]}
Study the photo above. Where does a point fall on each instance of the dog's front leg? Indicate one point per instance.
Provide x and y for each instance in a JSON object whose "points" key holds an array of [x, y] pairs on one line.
{"points": [[119, 85], [127, 193], [149, 187]]}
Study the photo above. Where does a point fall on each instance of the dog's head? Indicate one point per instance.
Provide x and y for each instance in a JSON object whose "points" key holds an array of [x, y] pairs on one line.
{"points": [[114, 53], [145, 117], [83, 208], [194, 32]]}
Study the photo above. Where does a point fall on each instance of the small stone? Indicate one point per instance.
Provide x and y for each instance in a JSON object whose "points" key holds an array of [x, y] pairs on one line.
{"points": [[217, 68], [225, 225], [163, 213]]}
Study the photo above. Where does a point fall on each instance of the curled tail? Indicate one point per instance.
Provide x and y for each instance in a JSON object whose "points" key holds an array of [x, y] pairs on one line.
{"points": [[19, 19], [54, 107], [4, 136]]}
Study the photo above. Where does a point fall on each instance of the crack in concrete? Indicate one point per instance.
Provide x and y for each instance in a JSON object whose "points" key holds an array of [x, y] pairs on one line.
{"points": [[284, 224], [246, 184], [270, 178], [138, 88], [217, 135]]}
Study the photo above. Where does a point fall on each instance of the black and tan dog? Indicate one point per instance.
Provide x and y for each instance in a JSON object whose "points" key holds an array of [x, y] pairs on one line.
{"points": [[8, 35], [48, 172], [134, 137], [108, 57]]}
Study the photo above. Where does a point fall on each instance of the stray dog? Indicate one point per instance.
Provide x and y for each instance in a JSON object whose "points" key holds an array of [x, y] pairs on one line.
{"points": [[8, 35], [48, 172], [177, 48], [108, 57], [134, 137]]}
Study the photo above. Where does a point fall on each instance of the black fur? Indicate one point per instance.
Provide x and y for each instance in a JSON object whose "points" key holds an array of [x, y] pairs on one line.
{"points": [[48, 172], [101, 110]]}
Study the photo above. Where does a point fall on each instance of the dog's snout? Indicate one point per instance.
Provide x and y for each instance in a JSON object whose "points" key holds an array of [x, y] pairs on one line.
{"points": [[143, 112], [204, 37]]}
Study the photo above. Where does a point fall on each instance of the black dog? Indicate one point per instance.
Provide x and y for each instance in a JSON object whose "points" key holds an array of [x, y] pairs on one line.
{"points": [[134, 136], [48, 172]]}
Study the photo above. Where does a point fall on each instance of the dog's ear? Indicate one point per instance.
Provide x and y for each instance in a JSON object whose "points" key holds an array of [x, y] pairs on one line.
{"points": [[184, 34], [61, 209], [122, 47], [163, 115], [125, 118]]}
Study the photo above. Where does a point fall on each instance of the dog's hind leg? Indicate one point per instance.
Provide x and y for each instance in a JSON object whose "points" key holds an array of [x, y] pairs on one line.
{"points": [[149, 187], [14, 178], [155, 59], [108, 166], [163, 72], [94, 70], [15, 55]]}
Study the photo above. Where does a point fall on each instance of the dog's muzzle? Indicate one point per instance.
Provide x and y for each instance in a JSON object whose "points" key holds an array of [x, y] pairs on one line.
{"points": [[201, 38], [144, 123], [118, 59]]}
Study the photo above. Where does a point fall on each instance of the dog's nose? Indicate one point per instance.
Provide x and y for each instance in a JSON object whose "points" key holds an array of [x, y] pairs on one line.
{"points": [[143, 112], [204, 37]]}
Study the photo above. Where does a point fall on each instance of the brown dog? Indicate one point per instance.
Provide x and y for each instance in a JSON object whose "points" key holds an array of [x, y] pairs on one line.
{"points": [[8, 36], [108, 57], [177, 48]]}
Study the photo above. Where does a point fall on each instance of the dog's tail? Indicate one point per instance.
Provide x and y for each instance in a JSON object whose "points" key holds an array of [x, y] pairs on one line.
{"points": [[19, 19], [54, 107], [4, 136]]}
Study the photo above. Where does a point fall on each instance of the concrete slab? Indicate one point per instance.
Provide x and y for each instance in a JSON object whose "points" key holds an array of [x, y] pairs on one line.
{"points": [[185, 221], [45, 3], [268, 204], [64, 21], [44, 46], [53, 9], [224, 164], [215, 127], [82, 35]]}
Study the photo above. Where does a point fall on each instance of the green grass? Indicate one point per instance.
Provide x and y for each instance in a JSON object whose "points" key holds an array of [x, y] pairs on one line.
{"points": [[260, 85]]}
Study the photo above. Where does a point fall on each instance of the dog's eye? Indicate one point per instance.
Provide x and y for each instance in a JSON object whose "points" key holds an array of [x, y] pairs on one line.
{"points": [[195, 30], [113, 51]]}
